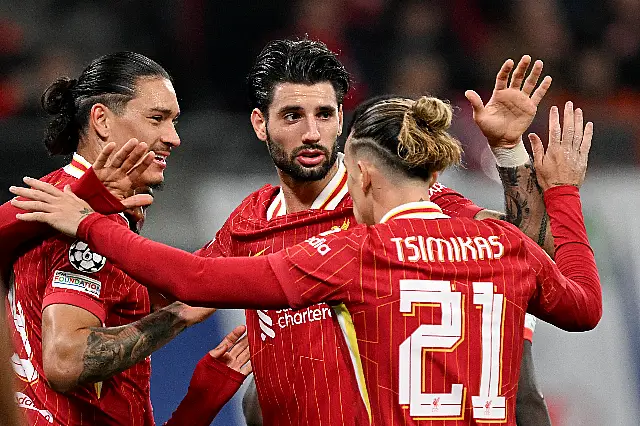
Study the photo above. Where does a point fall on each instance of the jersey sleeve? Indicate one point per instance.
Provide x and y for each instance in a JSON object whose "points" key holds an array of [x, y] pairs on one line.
{"points": [[452, 203], [212, 386], [569, 294], [233, 282], [325, 268], [80, 277]]}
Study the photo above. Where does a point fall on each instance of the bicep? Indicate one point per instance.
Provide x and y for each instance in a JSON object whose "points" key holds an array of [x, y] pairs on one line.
{"points": [[65, 329]]}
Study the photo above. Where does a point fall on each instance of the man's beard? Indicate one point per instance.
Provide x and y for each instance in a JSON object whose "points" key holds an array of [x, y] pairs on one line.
{"points": [[297, 171]]}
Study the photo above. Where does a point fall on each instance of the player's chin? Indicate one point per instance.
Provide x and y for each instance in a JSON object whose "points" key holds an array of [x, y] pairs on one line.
{"points": [[153, 177]]}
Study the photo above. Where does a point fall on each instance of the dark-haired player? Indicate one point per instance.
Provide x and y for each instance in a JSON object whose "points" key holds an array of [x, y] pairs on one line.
{"points": [[437, 303], [83, 330]]}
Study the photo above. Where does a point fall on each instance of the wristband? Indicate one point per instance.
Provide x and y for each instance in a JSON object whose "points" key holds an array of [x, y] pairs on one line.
{"points": [[511, 157]]}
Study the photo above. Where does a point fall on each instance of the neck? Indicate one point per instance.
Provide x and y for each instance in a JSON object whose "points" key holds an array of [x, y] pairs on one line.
{"points": [[299, 196], [89, 149], [387, 197]]}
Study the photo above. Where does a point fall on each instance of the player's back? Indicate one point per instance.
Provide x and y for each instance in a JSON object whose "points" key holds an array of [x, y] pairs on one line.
{"points": [[439, 318]]}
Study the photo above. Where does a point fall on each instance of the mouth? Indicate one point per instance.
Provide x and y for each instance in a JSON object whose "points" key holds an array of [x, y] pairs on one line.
{"points": [[160, 159], [310, 157]]}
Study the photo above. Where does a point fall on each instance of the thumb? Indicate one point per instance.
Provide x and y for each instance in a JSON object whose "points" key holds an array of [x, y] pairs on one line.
{"points": [[475, 100], [537, 149]]}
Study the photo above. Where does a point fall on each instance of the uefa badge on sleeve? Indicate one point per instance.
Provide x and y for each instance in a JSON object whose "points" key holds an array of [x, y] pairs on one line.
{"points": [[85, 260]]}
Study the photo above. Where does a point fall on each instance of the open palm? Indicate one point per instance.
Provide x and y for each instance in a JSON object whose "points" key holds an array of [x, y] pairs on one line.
{"points": [[512, 106]]}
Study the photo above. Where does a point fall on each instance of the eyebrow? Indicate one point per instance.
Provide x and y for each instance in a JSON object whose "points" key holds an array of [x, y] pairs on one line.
{"points": [[166, 111], [297, 108]]}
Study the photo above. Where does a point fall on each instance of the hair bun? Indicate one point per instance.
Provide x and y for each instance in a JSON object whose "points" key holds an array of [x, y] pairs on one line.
{"points": [[433, 113], [58, 98]]}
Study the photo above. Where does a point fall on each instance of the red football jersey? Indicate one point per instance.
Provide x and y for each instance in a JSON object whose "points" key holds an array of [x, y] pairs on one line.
{"points": [[301, 370], [438, 308], [438, 304], [61, 270]]}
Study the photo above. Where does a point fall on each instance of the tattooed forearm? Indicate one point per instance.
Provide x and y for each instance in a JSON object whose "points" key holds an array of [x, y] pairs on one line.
{"points": [[524, 204], [112, 350]]}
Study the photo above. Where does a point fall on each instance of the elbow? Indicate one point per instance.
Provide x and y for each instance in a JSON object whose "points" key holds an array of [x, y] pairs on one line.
{"points": [[60, 372]]}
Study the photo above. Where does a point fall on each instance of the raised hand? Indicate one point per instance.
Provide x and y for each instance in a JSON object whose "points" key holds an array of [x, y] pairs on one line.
{"points": [[120, 172], [62, 210], [565, 161], [233, 351], [512, 106]]}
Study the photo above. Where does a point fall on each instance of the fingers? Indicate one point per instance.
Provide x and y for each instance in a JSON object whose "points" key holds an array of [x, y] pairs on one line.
{"points": [[532, 78], [475, 100], [241, 346], [568, 125], [503, 75], [554, 127], [539, 93], [246, 369], [585, 146], [32, 217], [228, 341], [45, 187], [104, 155], [31, 194], [518, 75], [135, 156], [122, 155], [140, 167], [139, 200], [578, 126], [33, 206], [537, 149]]}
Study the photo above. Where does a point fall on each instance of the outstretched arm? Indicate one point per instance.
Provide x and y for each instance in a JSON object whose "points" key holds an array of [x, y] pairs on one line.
{"points": [[503, 121], [77, 350]]}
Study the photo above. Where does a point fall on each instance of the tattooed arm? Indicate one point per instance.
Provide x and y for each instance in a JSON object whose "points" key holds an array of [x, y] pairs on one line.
{"points": [[76, 350], [524, 204]]}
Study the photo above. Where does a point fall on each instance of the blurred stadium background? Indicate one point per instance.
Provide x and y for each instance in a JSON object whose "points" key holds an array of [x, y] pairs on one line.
{"points": [[591, 48]]}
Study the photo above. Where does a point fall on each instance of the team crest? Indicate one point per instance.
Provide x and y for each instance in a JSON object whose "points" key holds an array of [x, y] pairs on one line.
{"points": [[85, 260]]}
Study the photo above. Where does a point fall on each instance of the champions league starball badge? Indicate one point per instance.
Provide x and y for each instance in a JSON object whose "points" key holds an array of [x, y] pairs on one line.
{"points": [[83, 259]]}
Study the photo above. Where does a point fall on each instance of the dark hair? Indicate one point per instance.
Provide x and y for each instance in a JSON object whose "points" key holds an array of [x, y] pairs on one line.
{"points": [[110, 80], [294, 61], [408, 136]]}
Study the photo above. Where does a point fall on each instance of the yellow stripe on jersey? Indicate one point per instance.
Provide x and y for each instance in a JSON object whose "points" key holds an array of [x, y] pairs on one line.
{"points": [[349, 331]]}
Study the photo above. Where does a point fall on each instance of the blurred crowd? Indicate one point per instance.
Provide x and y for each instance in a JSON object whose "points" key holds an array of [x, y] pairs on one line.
{"points": [[412, 47]]}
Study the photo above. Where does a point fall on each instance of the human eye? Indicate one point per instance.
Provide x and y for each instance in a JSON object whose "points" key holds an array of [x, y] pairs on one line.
{"points": [[325, 114], [157, 118], [291, 116]]}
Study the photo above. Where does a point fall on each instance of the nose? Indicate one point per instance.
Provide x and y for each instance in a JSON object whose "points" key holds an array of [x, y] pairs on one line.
{"points": [[171, 137], [312, 133]]}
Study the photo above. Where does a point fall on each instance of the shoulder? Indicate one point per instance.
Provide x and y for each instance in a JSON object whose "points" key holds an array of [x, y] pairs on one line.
{"points": [[255, 205]]}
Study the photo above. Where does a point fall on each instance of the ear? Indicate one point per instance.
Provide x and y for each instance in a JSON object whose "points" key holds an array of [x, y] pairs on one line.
{"points": [[100, 120], [433, 179], [365, 176], [340, 119], [259, 123]]}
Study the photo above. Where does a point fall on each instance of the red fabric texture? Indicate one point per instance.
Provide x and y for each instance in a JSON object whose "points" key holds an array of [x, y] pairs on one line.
{"points": [[212, 386]]}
